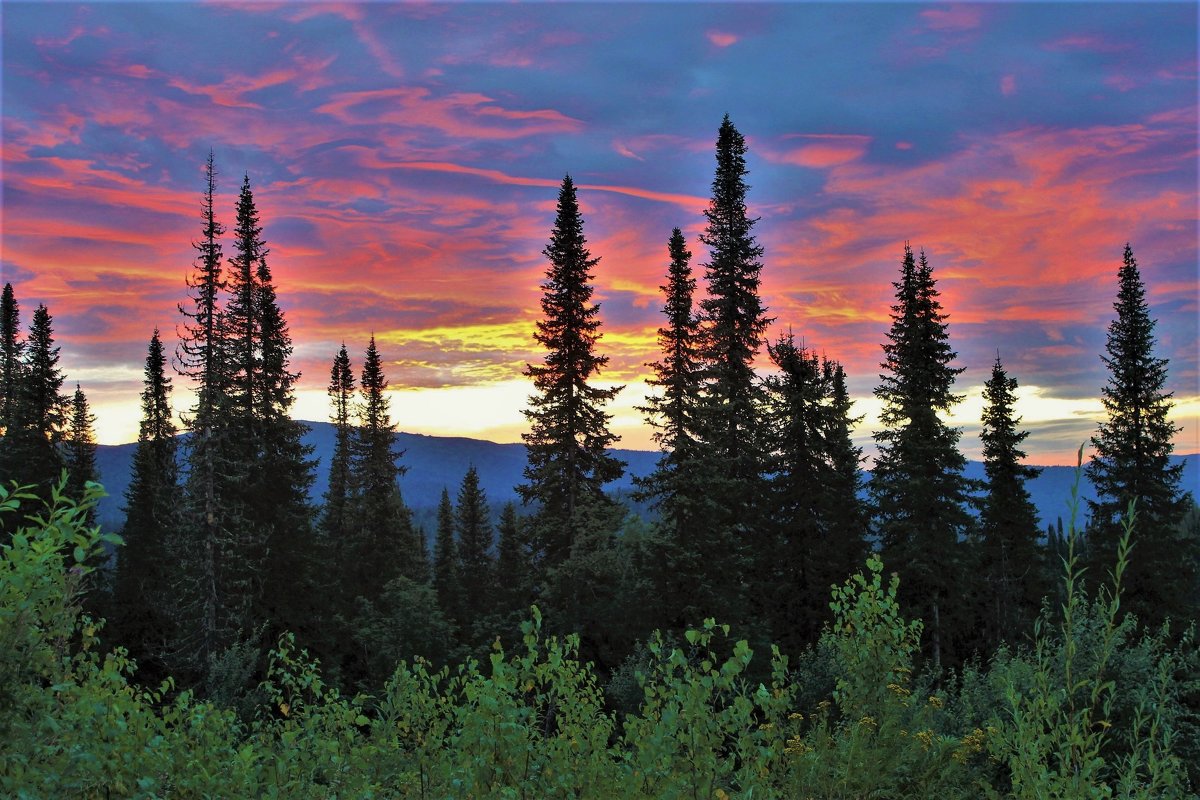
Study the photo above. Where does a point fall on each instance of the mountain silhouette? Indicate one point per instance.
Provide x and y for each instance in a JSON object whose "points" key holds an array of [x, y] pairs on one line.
{"points": [[436, 462]]}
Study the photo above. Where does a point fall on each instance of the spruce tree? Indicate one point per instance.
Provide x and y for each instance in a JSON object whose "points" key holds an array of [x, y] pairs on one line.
{"points": [[337, 496], [569, 438], [1012, 568], [733, 323], [79, 449], [282, 466], [445, 562], [382, 543], [32, 445], [142, 588], [676, 486], [513, 565], [842, 508], [917, 488], [243, 590], [10, 362], [1131, 465], [673, 412], [796, 418], [200, 547], [476, 567]]}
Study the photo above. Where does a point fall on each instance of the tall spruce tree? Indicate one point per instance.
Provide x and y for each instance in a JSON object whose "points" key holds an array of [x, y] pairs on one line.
{"points": [[200, 548], [1012, 564], [676, 487], [79, 449], [917, 487], [1132, 465], [476, 567], [568, 441], [283, 468], [677, 375], [733, 323], [337, 496], [143, 583], [10, 362], [242, 585], [382, 542]]}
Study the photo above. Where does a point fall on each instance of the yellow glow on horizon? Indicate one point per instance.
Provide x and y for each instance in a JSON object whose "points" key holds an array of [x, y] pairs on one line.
{"points": [[493, 411]]}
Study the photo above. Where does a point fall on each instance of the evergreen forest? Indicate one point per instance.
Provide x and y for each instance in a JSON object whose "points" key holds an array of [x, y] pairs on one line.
{"points": [[763, 618]]}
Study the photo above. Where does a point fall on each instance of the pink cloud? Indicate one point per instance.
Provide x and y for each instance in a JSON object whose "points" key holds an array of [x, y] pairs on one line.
{"points": [[691, 202], [461, 114], [1086, 41], [623, 149], [306, 75], [1122, 83], [721, 38], [76, 32], [1008, 85], [953, 18], [822, 151]]}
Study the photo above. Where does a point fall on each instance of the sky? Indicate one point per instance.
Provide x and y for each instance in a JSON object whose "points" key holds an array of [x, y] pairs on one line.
{"points": [[406, 160]]}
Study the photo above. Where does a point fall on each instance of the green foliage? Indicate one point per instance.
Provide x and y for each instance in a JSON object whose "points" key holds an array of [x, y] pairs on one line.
{"points": [[533, 723], [1063, 714]]}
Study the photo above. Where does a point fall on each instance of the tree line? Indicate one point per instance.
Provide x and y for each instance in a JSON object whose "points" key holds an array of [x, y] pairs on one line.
{"points": [[759, 501]]}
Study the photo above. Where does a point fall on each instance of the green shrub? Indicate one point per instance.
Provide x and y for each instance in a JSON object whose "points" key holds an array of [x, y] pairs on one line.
{"points": [[1094, 709]]}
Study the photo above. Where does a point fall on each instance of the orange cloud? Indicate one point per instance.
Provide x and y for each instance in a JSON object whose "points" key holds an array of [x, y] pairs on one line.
{"points": [[822, 151], [721, 38]]}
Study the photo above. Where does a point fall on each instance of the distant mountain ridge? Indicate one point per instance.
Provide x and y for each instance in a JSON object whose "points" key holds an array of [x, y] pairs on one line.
{"points": [[437, 462]]}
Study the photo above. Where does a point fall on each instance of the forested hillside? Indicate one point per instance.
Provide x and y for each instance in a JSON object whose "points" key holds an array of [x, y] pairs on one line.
{"points": [[437, 462]]}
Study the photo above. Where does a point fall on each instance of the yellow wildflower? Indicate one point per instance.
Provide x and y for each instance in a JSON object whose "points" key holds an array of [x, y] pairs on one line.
{"points": [[936, 701], [796, 746]]}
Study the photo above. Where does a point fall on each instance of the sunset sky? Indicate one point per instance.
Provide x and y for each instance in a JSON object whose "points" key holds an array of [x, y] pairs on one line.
{"points": [[406, 160]]}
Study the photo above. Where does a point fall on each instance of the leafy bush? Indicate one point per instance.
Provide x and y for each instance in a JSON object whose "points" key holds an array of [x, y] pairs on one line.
{"points": [[1060, 720]]}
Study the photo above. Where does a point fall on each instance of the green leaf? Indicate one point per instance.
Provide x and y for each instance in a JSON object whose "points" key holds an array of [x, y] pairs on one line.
{"points": [[692, 636], [80, 554]]}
